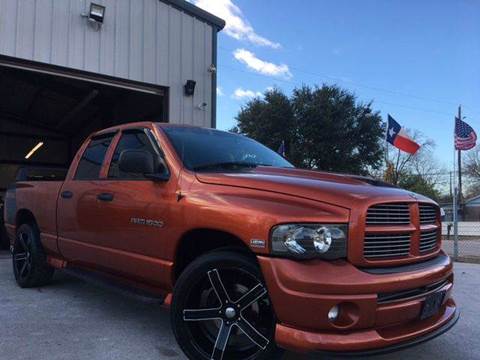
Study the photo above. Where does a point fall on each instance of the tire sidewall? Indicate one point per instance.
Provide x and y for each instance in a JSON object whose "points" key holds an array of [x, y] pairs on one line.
{"points": [[195, 272]]}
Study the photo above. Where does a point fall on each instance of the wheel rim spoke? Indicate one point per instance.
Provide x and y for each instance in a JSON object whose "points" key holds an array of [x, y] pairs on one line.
{"points": [[24, 268], [252, 296], [201, 315], [22, 241], [218, 287], [221, 342], [252, 333], [21, 256]]}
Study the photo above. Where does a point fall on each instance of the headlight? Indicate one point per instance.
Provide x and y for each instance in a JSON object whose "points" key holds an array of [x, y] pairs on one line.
{"points": [[307, 241]]}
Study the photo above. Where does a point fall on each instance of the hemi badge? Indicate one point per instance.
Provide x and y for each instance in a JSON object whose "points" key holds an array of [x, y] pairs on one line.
{"points": [[257, 243]]}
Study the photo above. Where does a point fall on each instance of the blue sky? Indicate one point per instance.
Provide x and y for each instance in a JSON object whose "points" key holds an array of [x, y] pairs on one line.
{"points": [[417, 60]]}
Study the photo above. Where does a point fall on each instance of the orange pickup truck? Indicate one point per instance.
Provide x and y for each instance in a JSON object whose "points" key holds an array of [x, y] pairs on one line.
{"points": [[251, 254]]}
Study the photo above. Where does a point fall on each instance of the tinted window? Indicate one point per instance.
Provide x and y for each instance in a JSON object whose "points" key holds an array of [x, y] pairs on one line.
{"points": [[199, 148], [131, 140], [93, 157]]}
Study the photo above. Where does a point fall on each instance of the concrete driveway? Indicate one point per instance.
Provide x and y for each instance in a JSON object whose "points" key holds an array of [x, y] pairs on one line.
{"points": [[74, 320]]}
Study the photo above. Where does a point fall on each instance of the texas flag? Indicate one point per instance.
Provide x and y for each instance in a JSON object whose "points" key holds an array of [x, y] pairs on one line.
{"points": [[398, 137]]}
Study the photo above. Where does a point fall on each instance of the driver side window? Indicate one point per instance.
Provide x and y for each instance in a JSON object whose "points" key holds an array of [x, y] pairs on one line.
{"points": [[132, 140]]}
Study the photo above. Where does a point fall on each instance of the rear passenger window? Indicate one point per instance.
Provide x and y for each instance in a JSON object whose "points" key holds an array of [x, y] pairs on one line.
{"points": [[131, 140], [91, 163]]}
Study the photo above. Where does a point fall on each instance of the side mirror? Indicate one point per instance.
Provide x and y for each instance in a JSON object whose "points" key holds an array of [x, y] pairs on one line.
{"points": [[143, 163]]}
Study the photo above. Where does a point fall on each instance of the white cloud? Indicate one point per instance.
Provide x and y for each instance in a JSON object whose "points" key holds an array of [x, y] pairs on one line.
{"points": [[220, 91], [261, 66], [241, 94], [236, 25]]}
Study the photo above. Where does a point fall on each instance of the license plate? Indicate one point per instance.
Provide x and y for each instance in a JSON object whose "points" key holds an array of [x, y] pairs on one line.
{"points": [[432, 304]]}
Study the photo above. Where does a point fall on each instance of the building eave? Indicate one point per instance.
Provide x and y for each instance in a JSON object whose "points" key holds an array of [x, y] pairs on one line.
{"points": [[195, 11]]}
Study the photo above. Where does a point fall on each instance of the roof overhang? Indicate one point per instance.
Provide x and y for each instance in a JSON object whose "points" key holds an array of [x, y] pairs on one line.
{"points": [[195, 11]]}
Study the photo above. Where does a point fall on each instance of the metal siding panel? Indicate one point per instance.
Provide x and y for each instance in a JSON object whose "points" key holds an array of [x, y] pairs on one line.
{"points": [[8, 26], [43, 30], [174, 72], [209, 92], [122, 38], [199, 73], [76, 35], [135, 71], [107, 39], [149, 41], [60, 30], [163, 37], [25, 29], [92, 43], [187, 65]]}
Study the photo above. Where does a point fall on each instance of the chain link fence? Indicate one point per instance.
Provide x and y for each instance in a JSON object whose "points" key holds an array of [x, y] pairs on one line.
{"points": [[468, 244]]}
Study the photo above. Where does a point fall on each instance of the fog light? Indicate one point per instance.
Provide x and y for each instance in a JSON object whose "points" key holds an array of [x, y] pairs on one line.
{"points": [[333, 313]]}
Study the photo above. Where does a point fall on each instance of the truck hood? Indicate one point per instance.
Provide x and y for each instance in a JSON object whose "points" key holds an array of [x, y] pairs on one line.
{"points": [[336, 189]]}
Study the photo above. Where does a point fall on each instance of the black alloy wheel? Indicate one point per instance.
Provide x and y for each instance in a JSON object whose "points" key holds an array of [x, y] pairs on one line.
{"points": [[29, 260], [221, 310], [22, 256]]}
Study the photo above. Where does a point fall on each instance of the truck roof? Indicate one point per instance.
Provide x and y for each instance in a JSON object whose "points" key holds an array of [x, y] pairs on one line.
{"points": [[139, 124]]}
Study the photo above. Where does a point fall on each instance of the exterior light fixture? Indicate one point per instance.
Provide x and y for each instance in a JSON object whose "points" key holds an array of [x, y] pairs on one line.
{"points": [[34, 150], [190, 87], [96, 15]]}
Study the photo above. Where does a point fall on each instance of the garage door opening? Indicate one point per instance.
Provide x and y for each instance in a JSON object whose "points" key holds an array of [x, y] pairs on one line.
{"points": [[60, 111], [45, 114]]}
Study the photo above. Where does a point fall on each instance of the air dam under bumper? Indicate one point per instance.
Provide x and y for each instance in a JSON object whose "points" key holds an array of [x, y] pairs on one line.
{"points": [[303, 292]]}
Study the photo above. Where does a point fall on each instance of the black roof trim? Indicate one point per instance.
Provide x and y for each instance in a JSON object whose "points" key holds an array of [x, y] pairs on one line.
{"points": [[195, 11]]}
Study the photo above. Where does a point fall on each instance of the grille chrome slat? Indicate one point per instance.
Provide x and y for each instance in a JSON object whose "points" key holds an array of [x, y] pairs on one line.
{"points": [[367, 248], [388, 255], [385, 214], [386, 246], [428, 214], [428, 241]]}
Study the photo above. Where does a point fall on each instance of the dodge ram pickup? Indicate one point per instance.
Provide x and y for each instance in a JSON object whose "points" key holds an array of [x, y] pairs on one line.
{"points": [[250, 254]]}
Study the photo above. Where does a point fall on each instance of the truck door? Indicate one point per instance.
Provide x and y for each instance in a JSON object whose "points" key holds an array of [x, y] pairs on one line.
{"points": [[134, 213], [78, 217]]}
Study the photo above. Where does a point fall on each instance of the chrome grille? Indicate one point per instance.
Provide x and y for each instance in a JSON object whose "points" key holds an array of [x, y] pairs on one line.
{"points": [[386, 246], [428, 214], [388, 214], [428, 241]]}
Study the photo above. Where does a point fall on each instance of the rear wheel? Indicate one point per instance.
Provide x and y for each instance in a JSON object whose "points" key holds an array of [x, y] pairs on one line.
{"points": [[29, 260], [221, 310]]}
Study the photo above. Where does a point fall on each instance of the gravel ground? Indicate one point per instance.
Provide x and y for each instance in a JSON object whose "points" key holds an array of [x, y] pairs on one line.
{"points": [[74, 320]]}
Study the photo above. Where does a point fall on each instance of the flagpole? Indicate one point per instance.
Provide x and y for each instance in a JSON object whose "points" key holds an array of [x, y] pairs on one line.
{"points": [[460, 195], [455, 210]]}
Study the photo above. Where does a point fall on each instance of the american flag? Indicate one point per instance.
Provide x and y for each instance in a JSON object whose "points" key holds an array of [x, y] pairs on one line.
{"points": [[465, 136]]}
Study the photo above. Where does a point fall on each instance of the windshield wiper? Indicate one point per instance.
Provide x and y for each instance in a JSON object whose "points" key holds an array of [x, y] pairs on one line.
{"points": [[228, 165]]}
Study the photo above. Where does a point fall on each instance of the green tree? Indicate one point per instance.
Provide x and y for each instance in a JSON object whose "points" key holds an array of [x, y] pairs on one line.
{"points": [[334, 132], [418, 184], [268, 120], [324, 128]]}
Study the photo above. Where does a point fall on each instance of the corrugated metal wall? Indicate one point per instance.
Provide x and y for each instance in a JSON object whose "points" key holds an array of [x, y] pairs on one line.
{"points": [[142, 40]]}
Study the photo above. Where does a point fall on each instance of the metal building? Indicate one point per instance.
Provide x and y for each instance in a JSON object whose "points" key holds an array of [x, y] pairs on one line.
{"points": [[70, 67]]}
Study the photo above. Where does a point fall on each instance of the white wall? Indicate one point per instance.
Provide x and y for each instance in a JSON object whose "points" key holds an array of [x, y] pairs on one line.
{"points": [[142, 40]]}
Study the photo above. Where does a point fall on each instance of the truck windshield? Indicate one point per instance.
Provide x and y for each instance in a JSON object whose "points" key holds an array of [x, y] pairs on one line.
{"points": [[206, 149]]}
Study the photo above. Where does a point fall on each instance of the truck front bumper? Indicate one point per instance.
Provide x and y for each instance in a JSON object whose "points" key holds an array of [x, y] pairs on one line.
{"points": [[379, 310]]}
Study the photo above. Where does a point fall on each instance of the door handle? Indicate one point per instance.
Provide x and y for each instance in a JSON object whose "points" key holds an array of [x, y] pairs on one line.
{"points": [[105, 197], [66, 194]]}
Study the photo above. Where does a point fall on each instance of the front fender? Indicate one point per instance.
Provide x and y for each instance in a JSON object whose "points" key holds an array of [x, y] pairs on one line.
{"points": [[250, 214]]}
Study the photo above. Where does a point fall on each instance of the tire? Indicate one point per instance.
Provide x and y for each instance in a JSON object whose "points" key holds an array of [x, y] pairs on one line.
{"points": [[29, 260], [219, 299]]}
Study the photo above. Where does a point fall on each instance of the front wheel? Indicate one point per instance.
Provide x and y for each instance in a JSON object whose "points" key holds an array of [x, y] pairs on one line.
{"points": [[221, 310]]}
